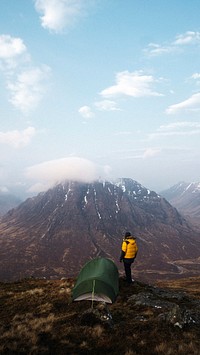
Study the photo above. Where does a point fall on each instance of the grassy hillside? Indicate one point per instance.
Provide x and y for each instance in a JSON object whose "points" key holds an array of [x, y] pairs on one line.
{"points": [[39, 317]]}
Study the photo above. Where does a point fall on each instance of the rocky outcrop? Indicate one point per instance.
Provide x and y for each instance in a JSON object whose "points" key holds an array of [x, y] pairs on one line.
{"points": [[172, 307]]}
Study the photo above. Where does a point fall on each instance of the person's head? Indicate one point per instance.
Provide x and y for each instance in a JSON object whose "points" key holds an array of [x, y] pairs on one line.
{"points": [[127, 234]]}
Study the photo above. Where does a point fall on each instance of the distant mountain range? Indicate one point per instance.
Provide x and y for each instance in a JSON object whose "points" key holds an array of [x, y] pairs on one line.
{"points": [[7, 202], [185, 197], [53, 234]]}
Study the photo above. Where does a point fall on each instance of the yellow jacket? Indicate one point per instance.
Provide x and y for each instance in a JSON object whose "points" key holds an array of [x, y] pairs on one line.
{"points": [[129, 248]]}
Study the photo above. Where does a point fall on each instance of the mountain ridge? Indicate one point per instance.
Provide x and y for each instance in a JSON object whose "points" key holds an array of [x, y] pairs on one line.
{"points": [[53, 234], [186, 198]]}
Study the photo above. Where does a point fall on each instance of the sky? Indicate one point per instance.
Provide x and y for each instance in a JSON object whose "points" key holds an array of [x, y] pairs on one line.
{"points": [[99, 89]]}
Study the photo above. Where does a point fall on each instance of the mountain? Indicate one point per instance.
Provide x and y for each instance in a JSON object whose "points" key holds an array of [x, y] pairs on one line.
{"points": [[7, 202], [53, 234], [185, 197]]}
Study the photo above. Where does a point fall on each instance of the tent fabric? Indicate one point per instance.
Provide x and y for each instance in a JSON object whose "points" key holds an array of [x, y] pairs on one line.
{"points": [[97, 281]]}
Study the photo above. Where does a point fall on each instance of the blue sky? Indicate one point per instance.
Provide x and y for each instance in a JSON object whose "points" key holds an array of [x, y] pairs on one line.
{"points": [[95, 89]]}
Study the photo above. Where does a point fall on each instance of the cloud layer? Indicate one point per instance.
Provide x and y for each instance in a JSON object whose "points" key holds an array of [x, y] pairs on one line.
{"points": [[71, 168]]}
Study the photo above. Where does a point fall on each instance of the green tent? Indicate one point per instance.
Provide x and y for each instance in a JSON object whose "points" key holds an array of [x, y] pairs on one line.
{"points": [[97, 281]]}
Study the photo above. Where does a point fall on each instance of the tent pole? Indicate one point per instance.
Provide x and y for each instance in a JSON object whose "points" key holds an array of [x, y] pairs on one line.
{"points": [[93, 287]]}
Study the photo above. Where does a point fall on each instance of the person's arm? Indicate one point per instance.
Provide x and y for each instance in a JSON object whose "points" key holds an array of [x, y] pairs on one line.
{"points": [[123, 251], [122, 255]]}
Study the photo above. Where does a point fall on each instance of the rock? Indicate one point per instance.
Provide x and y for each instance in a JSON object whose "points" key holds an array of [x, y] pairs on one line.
{"points": [[98, 315], [148, 299], [176, 308], [181, 317]]}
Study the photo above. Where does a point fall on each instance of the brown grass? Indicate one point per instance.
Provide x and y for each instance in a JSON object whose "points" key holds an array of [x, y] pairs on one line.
{"points": [[39, 317], [191, 285]]}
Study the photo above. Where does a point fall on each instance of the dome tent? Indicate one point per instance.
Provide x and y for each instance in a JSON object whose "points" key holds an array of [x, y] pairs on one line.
{"points": [[97, 281]]}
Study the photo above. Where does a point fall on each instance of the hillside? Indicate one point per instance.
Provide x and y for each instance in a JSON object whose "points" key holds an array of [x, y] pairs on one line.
{"points": [[53, 234], [185, 197], [38, 317]]}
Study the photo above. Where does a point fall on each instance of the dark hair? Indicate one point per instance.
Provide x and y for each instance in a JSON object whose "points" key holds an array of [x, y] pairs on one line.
{"points": [[127, 234]]}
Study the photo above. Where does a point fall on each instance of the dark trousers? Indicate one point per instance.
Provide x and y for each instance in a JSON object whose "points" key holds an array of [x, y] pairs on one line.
{"points": [[127, 268]]}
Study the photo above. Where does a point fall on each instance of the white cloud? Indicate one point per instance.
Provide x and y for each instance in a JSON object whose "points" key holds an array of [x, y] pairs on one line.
{"points": [[157, 49], [17, 139], [187, 38], [177, 129], [191, 104], [104, 105], [107, 105], [150, 152], [196, 76], [71, 168], [56, 15], [134, 84], [181, 124], [25, 82], [29, 88], [137, 154], [86, 112], [11, 47], [11, 51], [40, 187]]}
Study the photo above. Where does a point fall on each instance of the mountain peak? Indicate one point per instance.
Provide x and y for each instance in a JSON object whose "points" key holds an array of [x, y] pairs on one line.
{"points": [[56, 232]]}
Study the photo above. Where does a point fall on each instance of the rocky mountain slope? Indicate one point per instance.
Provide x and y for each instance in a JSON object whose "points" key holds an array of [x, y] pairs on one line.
{"points": [[186, 198], [53, 234], [38, 317]]}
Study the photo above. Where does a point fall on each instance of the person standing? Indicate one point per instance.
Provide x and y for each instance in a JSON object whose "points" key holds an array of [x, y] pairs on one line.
{"points": [[128, 254]]}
